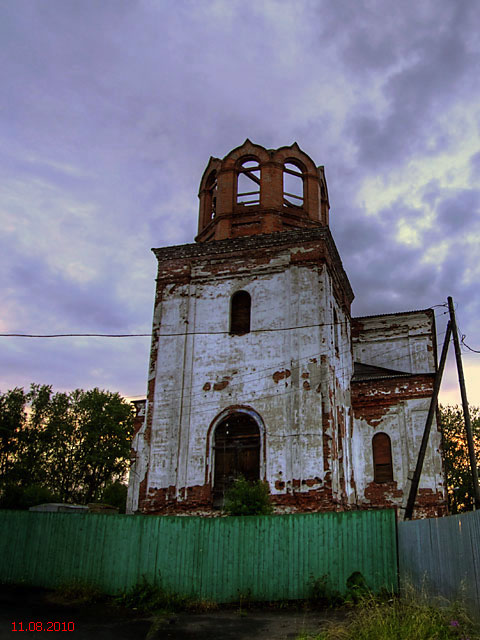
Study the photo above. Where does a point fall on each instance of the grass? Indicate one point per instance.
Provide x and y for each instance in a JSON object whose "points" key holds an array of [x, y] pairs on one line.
{"points": [[143, 598], [407, 618], [151, 598], [79, 592], [368, 617]]}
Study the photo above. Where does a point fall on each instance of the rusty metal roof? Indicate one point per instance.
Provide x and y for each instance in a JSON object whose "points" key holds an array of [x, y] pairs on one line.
{"points": [[363, 372], [396, 313]]}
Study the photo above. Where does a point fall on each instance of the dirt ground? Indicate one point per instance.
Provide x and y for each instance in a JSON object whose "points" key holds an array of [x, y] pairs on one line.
{"points": [[29, 605]]}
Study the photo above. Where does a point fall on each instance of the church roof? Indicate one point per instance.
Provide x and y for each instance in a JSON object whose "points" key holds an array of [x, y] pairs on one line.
{"points": [[395, 313], [363, 372]]}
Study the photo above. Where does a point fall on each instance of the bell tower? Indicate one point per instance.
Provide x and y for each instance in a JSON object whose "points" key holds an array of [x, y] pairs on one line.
{"points": [[255, 190]]}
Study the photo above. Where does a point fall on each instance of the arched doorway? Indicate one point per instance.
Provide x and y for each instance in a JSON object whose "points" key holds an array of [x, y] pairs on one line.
{"points": [[236, 452]]}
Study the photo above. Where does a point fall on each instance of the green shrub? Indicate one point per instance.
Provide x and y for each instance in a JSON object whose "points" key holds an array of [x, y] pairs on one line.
{"points": [[11, 497], [246, 498], [357, 588], [116, 495], [16, 497], [146, 597], [321, 594], [36, 494]]}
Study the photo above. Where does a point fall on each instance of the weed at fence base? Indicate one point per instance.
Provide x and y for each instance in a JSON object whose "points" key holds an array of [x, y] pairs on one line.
{"points": [[400, 619], [145, 597], [322, 594], [79, 592]]}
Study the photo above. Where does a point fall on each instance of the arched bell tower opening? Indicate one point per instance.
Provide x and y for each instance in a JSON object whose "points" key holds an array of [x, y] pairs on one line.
{"points": [[248, 182], [236, 452]]}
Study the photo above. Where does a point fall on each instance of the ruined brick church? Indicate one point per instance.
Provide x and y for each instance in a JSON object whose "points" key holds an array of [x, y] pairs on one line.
{"points": [[258, 369]]}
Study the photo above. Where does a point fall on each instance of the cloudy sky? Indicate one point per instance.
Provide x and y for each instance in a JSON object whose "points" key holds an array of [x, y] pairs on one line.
{"points": [[111, 109]]}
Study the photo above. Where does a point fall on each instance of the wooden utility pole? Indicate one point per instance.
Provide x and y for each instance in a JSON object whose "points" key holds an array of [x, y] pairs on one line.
{"points": [[426, 433], [466, 413]]}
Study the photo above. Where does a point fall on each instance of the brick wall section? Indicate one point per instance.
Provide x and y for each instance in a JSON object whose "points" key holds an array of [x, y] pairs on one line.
{"points": [[371, 399]]}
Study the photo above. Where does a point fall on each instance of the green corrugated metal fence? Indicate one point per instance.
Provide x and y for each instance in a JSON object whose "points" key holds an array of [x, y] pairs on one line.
{"points": [[269, 557], [442, 556]]}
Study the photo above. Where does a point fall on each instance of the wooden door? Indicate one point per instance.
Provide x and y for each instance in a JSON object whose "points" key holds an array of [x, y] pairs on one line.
{"points": [[237, 453]]}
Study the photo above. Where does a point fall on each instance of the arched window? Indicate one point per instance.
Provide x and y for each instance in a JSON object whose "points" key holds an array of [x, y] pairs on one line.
{"points": [[382, 458], [240, 309], [211, 199], [248, 183], [293, 194], [237, 452]]}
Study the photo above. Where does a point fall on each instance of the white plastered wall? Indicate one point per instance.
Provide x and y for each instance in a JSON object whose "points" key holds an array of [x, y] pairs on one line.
{"points": [[264, 371]]}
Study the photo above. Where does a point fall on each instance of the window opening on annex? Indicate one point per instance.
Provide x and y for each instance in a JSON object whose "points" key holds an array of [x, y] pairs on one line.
{"points": [[382, 458], [237, 453]]}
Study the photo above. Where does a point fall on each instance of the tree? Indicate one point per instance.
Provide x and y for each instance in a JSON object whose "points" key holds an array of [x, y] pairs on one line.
{"points": [[457, 461], [70, 444], [12, 422], [116, 495], [104, 432]]}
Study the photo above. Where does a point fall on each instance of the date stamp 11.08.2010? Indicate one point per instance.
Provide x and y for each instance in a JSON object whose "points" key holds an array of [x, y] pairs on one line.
{"points": [[38, 625]]}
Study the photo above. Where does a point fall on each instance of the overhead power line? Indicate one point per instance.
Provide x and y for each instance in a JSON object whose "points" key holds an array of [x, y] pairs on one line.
{"points": [[75, 335], [162, 335], [168, 335], [466, 345]]}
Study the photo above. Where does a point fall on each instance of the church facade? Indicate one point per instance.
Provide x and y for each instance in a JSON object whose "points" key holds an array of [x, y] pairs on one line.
{"points": [[258, 369]]}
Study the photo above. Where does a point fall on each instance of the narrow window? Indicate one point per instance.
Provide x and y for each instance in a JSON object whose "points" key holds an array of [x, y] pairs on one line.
{"points": [[248, 184], [335, 330], [240, 313], [292, 185], [211, 200], [382, 458]]}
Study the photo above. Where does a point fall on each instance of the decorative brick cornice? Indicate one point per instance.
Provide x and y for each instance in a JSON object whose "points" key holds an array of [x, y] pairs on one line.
{"points": [[266, 241]]}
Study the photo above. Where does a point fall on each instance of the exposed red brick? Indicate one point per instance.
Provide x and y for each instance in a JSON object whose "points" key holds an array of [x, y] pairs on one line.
{"points": [[139, 417], [311, 482], [372, 399], [341, 421], [281, 375], [383, 495], [315, 500], [430, 504], [165, 501], [142, 492]]}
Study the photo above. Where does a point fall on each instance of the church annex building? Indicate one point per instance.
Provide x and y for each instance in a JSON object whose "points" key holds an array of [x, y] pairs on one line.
{"points": [[257, 367]]}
